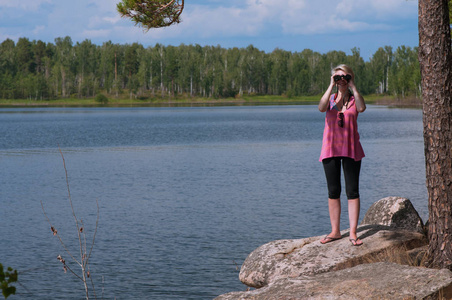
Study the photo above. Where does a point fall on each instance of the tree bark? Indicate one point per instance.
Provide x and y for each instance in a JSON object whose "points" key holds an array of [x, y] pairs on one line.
{"points": [[435, 57]]}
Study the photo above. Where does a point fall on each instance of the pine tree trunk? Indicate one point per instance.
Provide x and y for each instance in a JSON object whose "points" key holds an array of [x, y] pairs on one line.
{"points": [[435, 57]]}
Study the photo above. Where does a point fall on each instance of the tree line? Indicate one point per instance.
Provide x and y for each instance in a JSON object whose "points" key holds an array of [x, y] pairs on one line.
{"points": [[37, 70]]}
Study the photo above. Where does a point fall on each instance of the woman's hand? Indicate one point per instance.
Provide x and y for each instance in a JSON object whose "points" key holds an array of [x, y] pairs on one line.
{"points": [[351, 84], [332, 82], [359, 100], [325, 100]]}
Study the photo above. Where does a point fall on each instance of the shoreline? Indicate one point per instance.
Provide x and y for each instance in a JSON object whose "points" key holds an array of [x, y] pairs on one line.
{"points": [[199, 102]]}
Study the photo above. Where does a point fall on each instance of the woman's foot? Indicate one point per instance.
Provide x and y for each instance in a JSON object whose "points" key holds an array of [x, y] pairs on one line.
{"points": [[356, 242], [329, 239]]}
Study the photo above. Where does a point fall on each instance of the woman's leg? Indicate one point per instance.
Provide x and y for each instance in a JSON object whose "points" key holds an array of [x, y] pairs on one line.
{"points": [[332, 167], [334, 207], [353, 216], [351, 173]]}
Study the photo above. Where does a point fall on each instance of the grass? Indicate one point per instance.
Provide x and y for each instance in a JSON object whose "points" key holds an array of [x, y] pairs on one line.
{"points": [[85, 252], [185, 100], [410, 101], [401, 256], [398, 255], [156, 101]]}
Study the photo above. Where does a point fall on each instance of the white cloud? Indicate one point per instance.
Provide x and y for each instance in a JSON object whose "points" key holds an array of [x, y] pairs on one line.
{"points": [[7, 35], [227, 21], [111, 20], [203, 21], [95, 34], [38, 29], [255, 17], [23, 4]]}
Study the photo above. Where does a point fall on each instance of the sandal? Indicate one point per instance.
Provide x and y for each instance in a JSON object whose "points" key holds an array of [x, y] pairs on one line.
{"points": [[356, 242], [329, 239]]}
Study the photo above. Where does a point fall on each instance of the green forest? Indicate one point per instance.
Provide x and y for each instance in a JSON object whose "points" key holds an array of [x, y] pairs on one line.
{"points": [[37, 71]]}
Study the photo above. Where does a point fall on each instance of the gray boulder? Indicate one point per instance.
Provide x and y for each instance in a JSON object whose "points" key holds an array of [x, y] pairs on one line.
{"points": [[396, 212], [391, 230], [294, 258], [367, 281]]}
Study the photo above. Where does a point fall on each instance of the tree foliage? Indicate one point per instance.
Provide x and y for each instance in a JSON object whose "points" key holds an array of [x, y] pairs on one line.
{"points": [[36, 70], [151, 13], [6, 278]]}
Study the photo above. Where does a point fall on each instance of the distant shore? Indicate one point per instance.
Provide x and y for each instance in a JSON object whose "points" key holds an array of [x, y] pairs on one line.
{"points": [[198, 101]]}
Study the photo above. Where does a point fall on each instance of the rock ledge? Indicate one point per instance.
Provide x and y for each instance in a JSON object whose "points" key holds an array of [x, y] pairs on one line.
{"points": [[293, 258], [307, 269], [368, 281]]}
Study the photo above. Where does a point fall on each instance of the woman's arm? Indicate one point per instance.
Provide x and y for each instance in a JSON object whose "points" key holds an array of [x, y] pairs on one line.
{"points": [[325, 100], [359, 100]]}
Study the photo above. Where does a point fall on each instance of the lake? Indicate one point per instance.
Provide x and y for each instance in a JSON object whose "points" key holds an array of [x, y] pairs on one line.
{"points": [[184, 193]]}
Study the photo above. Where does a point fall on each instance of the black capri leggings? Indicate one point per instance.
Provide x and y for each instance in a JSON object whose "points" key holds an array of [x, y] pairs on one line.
{"points": [[351, 168]]}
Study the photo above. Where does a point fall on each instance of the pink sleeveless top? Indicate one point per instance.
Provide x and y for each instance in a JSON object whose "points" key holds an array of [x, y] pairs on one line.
{"points": [[341, 141]]}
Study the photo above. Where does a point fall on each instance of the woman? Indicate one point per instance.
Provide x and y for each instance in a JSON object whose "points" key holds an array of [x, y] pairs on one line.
{"points": [[341, 145]]}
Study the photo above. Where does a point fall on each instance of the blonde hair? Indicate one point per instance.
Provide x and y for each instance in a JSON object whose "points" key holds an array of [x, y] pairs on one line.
{"points": [[344, 68]]}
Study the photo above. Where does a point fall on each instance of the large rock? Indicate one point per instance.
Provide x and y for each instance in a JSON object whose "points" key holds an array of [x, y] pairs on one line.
{"points": [[396, 212], [306, 269], [368, 281], [294, 258]]}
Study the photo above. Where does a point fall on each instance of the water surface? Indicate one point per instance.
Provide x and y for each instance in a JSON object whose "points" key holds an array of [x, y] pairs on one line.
{"points": [[185, 194]]}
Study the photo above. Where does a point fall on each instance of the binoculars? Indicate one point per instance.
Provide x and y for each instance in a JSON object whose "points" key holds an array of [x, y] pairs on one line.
{"points": [[339, 77]]}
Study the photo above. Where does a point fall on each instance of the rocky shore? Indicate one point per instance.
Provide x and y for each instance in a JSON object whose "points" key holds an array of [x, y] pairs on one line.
{"points": [[384, 267]]}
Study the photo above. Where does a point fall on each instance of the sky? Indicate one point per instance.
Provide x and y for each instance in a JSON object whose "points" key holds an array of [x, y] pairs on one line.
{"points": [[292, 25]]}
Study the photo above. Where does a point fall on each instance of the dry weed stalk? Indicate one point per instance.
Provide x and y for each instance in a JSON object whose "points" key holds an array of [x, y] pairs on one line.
{"points": [[83, 262]]}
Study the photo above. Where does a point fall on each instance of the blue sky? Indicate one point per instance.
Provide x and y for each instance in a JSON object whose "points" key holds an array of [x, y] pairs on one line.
{"points": [[293, 25]]}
